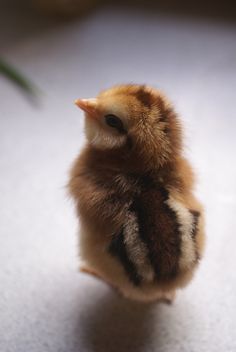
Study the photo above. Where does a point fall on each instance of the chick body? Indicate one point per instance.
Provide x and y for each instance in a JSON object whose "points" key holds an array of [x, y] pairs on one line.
{"points": [[141, 227]]}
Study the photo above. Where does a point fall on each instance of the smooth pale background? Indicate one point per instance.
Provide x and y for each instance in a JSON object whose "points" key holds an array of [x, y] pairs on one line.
{"points": [[45, 304]]}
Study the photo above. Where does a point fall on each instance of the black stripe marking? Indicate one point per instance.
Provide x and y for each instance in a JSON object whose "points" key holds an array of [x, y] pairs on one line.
{"points": [[144, 97], [162, 111], [160, 232], [129, 142], [196, 215], [117, 249]]}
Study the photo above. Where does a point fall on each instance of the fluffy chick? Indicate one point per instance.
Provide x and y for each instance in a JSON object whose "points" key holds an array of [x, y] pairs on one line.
{"points": [[141, 227]]}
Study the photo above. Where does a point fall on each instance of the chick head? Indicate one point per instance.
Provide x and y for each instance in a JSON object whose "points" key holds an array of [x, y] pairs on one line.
{"points": [[135, 118]]}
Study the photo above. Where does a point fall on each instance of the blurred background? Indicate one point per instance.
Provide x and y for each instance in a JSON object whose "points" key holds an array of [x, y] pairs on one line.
{"points": [[52, 52]]}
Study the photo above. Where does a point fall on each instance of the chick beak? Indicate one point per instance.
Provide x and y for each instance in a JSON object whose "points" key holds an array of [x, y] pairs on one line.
{"points": [[89, 106]]}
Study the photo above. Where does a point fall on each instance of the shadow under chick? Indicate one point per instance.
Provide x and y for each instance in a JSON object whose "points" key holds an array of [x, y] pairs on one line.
{"points": [[115, 324]]}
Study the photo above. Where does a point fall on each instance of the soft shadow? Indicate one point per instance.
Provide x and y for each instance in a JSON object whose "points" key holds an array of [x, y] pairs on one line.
{"points": [[205, 9], [21, 21], [115, 324]]}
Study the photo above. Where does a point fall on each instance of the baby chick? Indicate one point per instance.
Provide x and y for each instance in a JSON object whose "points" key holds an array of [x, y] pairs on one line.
{"points": [[141, 227]]}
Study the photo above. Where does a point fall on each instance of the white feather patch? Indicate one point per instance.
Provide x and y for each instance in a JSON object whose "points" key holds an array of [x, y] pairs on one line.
{"points": [[136, 249], [101, 138], [186, 226]]}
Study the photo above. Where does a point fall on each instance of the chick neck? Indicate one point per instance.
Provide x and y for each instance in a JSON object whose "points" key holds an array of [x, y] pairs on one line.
{"points": [[127, 161]]}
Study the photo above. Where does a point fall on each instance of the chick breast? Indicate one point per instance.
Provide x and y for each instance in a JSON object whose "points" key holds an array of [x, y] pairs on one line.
{"points": [[157, 239]]}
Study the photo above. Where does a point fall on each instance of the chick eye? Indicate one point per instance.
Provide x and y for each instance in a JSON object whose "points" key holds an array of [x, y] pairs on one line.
{"points": [[114, 121]]}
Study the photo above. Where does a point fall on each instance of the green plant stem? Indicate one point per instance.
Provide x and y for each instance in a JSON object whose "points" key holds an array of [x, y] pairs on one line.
{"points": [[13, 74]]}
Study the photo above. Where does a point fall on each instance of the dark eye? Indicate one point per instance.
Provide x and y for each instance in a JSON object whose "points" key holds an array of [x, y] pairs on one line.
{"points": [[115, 122]]}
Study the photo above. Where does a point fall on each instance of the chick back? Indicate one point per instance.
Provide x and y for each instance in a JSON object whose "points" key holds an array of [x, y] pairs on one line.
{"points": [[157, 240]]}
